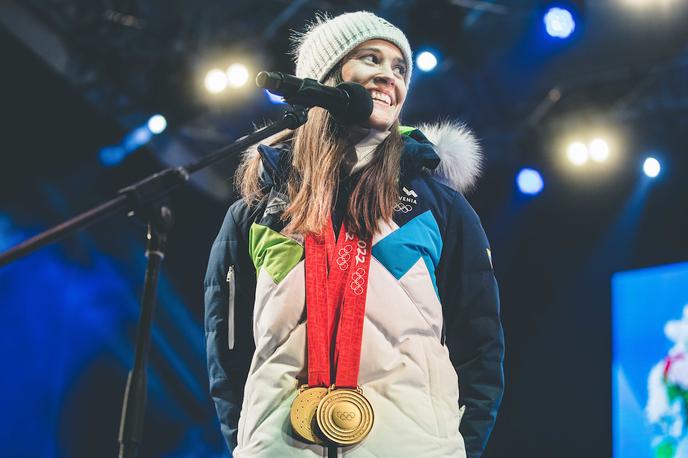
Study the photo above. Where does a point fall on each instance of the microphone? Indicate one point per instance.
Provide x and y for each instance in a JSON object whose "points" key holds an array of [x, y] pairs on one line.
{"points": [[349, 103]]}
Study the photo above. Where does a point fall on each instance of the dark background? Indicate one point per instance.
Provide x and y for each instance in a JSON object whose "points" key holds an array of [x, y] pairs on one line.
{"points": [[68, 312]]}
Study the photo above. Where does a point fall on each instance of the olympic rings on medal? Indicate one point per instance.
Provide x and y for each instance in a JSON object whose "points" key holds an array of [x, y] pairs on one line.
{"points": [[357, 281], [347, 416]]}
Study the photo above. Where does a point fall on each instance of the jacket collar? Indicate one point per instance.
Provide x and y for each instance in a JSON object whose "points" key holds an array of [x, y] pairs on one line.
{"points": [[275, 162], [418, 153], [449, 150]]}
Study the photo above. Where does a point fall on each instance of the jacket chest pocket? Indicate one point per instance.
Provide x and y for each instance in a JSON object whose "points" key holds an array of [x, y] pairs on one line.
{"points": [[231, 288]]}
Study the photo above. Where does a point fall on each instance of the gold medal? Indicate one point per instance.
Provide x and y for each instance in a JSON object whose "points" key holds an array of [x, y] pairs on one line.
{"points": [[302, 414], [344, 416]]}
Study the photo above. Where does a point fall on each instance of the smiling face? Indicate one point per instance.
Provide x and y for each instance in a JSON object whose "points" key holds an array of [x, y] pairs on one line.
{"points": [[379, 66]]}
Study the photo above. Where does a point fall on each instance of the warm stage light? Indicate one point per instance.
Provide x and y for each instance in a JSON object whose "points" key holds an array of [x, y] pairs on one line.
{"points": [[215, 81], [577, 153], [599, 150], [157, 124], [647, 3], [559, 22], [651, 167], [237, 75], [426, 61]]}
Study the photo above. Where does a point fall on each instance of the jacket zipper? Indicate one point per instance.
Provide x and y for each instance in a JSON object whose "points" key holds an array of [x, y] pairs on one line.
{"points": [[230, 311]]}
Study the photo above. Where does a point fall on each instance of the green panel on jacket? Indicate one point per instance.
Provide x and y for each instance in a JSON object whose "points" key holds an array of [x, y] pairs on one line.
{"points": [[273, 251], [406, 130]]}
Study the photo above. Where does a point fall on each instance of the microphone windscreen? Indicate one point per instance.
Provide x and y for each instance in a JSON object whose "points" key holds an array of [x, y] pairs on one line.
{"points": [[360, 104], [266, 80]]}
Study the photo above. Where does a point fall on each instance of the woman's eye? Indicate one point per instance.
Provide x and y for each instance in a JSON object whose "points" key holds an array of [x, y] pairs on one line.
{"points": [[400, 69], [372, 58]]}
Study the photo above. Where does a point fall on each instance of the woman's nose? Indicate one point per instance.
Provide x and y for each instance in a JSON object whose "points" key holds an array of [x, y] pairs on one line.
{"points": [[385, 79]]}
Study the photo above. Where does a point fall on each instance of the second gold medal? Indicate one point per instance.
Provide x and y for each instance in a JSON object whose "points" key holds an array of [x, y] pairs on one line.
{"points": [[303, 412]]}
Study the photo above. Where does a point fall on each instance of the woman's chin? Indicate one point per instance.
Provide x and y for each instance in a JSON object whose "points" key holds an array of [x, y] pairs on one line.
{"points": [[379, 123]]}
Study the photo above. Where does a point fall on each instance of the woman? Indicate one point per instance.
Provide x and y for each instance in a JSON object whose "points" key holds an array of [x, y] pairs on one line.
{"points": [[408, 360]]}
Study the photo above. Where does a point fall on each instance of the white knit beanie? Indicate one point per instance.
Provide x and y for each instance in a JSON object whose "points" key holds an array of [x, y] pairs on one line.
{"points": [[328, 40]]}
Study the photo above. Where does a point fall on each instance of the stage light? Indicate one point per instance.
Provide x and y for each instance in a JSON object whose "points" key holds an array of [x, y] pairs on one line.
{"points": [[426, 61], [529, 181], [559, 22], [651, 167], [640, 4], [157, 124], [237, 75], [112, 155], [215, 81], [599, 150], [136, 138], [577, 153]]}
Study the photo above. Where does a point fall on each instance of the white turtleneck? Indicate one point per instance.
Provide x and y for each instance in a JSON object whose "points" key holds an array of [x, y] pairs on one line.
{"points": [[365, 148]]}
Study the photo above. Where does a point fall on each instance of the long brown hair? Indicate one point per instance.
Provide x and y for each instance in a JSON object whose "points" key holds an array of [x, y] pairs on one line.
{"points": [[319, 149]]}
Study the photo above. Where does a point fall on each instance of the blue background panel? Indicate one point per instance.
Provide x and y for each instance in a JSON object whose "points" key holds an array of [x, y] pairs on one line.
{"points": [[643, 302]]}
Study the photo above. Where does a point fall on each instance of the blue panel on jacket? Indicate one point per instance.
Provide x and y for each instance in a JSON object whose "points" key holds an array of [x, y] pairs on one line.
{"points": [[400, 250]]}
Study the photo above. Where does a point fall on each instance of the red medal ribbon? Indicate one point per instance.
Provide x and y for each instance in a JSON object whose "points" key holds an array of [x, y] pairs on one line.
{"points": [[317, 325], [336, 287]]}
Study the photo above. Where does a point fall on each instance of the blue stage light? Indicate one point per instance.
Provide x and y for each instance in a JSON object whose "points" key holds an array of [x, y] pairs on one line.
{"points": [[426, 61], [529, 181], [651, 167], [276, 99], [157, 124], [559, 22], [137, 138], [112, 155]]}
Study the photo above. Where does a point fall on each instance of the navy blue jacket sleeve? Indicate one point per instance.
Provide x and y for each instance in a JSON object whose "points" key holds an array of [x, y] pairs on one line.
{"points": [[472, 329], [229, 295]]}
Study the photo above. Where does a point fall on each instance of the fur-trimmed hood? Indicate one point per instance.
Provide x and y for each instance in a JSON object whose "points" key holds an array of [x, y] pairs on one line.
{"points": [[458, 150]]}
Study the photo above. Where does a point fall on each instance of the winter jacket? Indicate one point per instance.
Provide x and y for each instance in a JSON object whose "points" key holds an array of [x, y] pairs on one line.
{"points": [[432, 346]]}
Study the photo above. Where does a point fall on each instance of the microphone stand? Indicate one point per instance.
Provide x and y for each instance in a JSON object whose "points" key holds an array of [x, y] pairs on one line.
{"points": [[146, 200]]}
